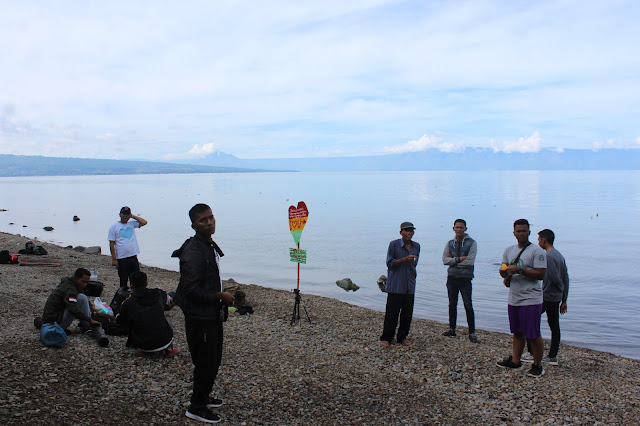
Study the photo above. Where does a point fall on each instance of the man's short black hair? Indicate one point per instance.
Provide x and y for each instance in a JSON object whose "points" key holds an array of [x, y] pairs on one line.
{"points": [[548, 235], [138, 279], [196, 210], [461, 221], [521, 222], [81, 272]]}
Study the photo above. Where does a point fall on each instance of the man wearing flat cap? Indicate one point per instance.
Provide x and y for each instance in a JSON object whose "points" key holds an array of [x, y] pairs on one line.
{"points": [[123, 244], [402, 259]]}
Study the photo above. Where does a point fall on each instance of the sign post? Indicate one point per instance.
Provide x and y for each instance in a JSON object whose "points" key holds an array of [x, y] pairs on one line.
{"points": [[298, 217]]}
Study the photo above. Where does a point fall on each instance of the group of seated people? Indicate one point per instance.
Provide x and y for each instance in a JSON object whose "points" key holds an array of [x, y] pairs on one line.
{"points": [[139, 312]]}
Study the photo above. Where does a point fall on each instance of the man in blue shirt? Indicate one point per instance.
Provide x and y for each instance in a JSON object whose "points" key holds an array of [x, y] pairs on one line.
{"points": [[402, 259]]}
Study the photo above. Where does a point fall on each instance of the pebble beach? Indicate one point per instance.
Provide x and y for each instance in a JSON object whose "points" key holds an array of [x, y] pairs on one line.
{"points": [[331, 370]]}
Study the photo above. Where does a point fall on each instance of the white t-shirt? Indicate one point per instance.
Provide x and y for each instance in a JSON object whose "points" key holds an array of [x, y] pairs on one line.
{"points": [[525, 291], [125, 237]]}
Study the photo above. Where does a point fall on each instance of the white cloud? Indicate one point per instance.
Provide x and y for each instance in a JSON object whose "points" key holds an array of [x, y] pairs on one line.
{"points": [[598, 145], [346, 76], [614, 144], [424, 143], [522, 145], [197, 151]]}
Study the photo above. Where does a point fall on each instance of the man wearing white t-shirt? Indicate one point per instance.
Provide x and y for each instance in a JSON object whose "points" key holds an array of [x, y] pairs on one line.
{"points": [[523, 266], [123, 244]]}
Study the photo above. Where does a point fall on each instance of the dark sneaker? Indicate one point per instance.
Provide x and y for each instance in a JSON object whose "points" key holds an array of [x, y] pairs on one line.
{"points": [[526, 357], [508, 363], [473, 338], [449, 333], [550, 361], [214, 402], [202, 414], [536, 371]]}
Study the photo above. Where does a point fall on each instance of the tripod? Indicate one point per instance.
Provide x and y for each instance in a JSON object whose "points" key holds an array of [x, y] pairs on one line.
{"points": [[296, 308]]}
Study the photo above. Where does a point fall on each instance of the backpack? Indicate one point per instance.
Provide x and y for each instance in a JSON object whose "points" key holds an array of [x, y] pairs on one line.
{"points": [[52, 335], [121, 295], [5, 257]]}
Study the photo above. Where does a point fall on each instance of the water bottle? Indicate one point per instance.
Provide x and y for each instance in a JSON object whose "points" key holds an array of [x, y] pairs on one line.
{"points": [[94, 275]]}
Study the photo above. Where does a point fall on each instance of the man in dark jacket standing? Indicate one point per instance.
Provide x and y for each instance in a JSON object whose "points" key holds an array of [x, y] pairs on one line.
{"points": [[68, 302], [143, 315], [203, 302], [459, 255], [402, 259]]}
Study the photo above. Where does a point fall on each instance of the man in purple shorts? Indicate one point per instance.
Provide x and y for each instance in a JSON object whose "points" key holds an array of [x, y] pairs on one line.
{"points": [[523, 266]]}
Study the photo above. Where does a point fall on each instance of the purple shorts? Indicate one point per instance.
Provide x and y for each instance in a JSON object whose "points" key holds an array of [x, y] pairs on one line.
{"points": [[525, 320]]}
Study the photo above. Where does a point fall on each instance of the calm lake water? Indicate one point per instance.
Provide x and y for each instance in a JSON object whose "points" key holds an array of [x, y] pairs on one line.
{"points": [[352, 218]]}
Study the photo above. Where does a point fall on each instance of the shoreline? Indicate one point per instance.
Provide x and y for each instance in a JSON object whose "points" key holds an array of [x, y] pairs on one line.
{"points": [[331, 370]]}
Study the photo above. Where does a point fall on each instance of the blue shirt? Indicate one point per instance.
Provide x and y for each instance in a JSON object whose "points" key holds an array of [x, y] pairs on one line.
{"points": [[401, 278]]}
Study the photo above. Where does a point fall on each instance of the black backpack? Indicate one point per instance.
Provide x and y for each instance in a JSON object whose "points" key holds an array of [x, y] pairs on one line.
{"points": [[121, 295]]}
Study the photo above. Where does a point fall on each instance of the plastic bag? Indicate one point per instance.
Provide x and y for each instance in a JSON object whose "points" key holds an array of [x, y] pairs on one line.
{"points": [[102, 307]]}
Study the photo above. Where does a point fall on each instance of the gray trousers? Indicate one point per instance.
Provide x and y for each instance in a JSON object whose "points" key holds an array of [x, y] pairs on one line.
{"points": [[68, 317]]}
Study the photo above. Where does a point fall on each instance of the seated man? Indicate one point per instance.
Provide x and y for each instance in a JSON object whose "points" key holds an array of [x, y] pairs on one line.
{"points": [[143, 313], [68, 302]]}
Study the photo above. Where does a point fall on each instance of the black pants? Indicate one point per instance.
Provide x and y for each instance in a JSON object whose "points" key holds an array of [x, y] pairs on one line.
{"points": [[127, 266], [205, 345], [397, 305], [553, 319], [462, 286]]}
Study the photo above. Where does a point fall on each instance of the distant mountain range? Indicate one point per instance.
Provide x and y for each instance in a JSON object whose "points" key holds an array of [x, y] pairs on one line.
{"points": [[432, 159], [27, 165]]}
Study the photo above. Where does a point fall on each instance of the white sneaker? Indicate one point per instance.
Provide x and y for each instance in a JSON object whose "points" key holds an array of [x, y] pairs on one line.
{"points": [[526, 357], [550, 361]]}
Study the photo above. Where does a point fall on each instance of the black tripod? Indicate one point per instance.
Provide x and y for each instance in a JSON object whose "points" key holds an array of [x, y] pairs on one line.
{"points": [[296, 308]]}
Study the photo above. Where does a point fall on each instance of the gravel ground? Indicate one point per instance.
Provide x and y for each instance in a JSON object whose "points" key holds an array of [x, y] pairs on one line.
{"points": [[329, 371]]}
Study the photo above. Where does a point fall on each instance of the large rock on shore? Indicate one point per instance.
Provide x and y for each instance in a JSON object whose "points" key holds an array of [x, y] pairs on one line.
{"points": [[347, 284], [88, 250]]}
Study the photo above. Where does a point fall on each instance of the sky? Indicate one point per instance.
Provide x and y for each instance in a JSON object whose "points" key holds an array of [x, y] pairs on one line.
{"points": [[168, 80]]}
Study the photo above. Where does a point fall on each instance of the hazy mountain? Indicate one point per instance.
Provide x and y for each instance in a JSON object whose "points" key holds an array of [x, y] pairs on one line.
{"points": [[220, 162], [432, 159], [27, 165]]}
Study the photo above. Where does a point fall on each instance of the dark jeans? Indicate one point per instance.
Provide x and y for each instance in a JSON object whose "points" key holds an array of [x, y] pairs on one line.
{"points": [[127, 266], [553, 319], [204, 339], [462, 286], [397, 305]]}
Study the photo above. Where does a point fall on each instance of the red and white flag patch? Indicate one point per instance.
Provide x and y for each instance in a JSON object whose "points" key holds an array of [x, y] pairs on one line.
{"points": [[73, 299]]}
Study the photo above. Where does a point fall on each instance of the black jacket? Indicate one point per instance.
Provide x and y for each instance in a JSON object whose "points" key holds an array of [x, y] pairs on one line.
{"points": [[143, 314], [64, 296], [199, 279]]}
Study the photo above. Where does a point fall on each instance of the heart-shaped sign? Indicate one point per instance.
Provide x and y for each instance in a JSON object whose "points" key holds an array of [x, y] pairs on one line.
{"points": [[297, 220]]}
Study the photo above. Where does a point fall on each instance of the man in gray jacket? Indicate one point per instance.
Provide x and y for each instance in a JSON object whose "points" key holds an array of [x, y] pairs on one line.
{"points": [[555, 290], [459, 255]]}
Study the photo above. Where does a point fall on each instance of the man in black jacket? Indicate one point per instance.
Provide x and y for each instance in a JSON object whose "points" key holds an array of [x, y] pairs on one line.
{"points": [[68, 302], [143, 314], [203, 302]]}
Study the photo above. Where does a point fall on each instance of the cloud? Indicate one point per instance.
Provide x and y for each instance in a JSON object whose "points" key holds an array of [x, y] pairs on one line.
{"points": [[614, 144], [330, 74], [197, 151], [529, 144], [424, 143]]}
